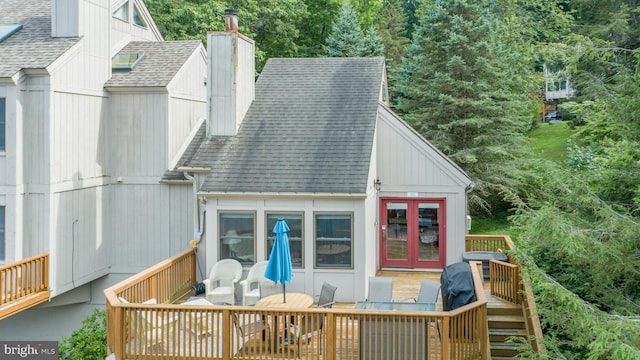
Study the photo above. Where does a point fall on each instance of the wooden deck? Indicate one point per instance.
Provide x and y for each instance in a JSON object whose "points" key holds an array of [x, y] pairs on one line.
{"points": [[135, 330]]}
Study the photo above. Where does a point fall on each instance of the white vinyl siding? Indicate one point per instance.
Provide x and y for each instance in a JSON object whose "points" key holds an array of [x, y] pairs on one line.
{"points": [[3, 121]]}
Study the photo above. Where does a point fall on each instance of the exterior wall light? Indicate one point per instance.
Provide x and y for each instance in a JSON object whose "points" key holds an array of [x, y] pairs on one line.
{"points": [[377, 184]]}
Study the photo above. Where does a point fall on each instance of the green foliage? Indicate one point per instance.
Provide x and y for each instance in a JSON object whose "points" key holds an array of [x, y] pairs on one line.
{"points": [[391, 26], [88, 342], [367, 11], [268, 22], [347, 38], [315, 25]]}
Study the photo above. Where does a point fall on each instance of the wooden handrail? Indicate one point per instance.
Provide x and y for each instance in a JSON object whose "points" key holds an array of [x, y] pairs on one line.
{"points": [[458, 334], [508, 282], [24, 284]]}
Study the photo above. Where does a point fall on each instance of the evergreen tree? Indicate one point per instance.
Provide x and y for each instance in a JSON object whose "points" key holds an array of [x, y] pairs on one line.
{"points": [[372, 43], [391, 26], [454, 90], [347, 38], [346, 35]]}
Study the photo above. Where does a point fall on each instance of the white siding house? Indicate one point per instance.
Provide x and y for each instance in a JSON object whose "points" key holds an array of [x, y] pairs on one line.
{"points": [[315, 143], [87, 146], [110, 169]]}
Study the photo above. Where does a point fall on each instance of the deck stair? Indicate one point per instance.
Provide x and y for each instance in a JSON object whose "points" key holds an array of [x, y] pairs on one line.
{"points": [[505, 321]]}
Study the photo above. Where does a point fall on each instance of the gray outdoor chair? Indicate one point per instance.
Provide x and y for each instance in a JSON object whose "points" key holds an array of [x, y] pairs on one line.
{"points": [[429, 291], [313, 323], [380, 289]]}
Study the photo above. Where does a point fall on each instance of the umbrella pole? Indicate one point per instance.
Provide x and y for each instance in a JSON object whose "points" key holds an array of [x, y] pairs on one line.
{"points": [[284, 292]]}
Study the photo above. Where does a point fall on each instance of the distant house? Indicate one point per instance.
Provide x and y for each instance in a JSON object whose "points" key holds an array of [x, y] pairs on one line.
{"points": [[315, 143], [557, 86]]}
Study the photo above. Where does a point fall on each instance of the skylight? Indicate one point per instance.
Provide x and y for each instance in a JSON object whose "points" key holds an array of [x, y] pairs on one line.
{"points": [[126, 61], [8, 30]]}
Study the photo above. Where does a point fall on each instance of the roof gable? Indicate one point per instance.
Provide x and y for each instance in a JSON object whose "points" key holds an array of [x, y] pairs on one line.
{"points": [[310, 129], [162, 61], [433, 168], [32, 47]]}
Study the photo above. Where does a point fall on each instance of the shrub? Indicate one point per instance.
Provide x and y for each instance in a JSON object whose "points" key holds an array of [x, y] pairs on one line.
{"points": [[89, 342]]}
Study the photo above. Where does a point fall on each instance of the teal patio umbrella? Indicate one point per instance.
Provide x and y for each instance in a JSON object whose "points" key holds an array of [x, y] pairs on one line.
{"points": [[279, 268]]}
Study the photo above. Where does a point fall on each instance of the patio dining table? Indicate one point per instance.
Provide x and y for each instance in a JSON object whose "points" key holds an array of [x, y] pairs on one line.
{"points": [[276, 301]]}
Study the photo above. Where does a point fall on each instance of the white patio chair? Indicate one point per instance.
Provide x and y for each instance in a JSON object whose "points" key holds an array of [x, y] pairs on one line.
{"points": [[151, 329], [220, 286], [380, 289], [250, 285]]}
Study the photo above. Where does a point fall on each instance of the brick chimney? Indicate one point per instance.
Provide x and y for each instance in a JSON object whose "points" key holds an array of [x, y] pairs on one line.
{"points": [[230, 77]]}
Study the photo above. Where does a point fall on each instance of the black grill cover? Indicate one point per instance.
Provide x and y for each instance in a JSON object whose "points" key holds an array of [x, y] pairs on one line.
{"points": [[457, 286]]}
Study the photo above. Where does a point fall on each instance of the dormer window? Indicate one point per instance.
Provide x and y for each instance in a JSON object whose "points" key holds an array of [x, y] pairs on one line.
{"points": [[7, 30], [126, 62], [122, 12], [137, 19]]}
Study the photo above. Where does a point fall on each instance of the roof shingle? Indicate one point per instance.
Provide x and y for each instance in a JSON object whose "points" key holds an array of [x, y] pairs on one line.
{"points": [[309, 130], [160, 64], [32, 47]]}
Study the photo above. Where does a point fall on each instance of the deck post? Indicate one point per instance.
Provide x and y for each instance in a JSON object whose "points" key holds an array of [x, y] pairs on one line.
{"points": [[226, 334], [330, 337], [444, 335]]}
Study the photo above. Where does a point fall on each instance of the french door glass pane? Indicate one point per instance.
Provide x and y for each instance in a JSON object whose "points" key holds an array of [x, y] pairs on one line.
{"points": [[428, 246], [397, 231]]}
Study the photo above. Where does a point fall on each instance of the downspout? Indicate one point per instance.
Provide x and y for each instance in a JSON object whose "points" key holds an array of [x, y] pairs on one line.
{"points": [[198, 221], [198, 225], [467, 190]]}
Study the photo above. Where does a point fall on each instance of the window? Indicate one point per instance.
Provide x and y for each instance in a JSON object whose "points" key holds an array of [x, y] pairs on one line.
{"points": [[3, 122], [122, 12], [334, 241], [2, 233], [237, 236], [136, 17], [295, 234]]}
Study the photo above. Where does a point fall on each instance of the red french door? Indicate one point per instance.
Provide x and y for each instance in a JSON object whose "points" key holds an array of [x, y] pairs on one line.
{"points": [[412, 233]]}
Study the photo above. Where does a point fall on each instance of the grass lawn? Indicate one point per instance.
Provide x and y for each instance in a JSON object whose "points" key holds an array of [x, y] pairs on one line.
{"points": [[496, 225], [550, 141], [546, 141]]}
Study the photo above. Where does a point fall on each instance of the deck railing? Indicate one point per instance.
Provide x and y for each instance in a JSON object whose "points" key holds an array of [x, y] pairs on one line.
{"points": [[167, 331], [24, 284], [508, 282]]}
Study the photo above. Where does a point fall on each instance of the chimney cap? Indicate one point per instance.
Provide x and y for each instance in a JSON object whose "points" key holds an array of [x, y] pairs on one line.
{"points": [[230, 20]]}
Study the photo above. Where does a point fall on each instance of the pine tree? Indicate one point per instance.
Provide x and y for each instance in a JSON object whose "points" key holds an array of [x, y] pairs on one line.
{"points": [[453, 91], [372, 44], [346, 35], [391, 26]]}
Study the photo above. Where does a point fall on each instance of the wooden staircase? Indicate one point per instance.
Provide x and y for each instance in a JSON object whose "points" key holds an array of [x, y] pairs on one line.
{"points": [[506, 320]]}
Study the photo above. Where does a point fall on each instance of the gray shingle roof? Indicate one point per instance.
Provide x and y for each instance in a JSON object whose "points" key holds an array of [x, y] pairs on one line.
{"points": [[161, 62], [310, 129], [32, 47]]}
